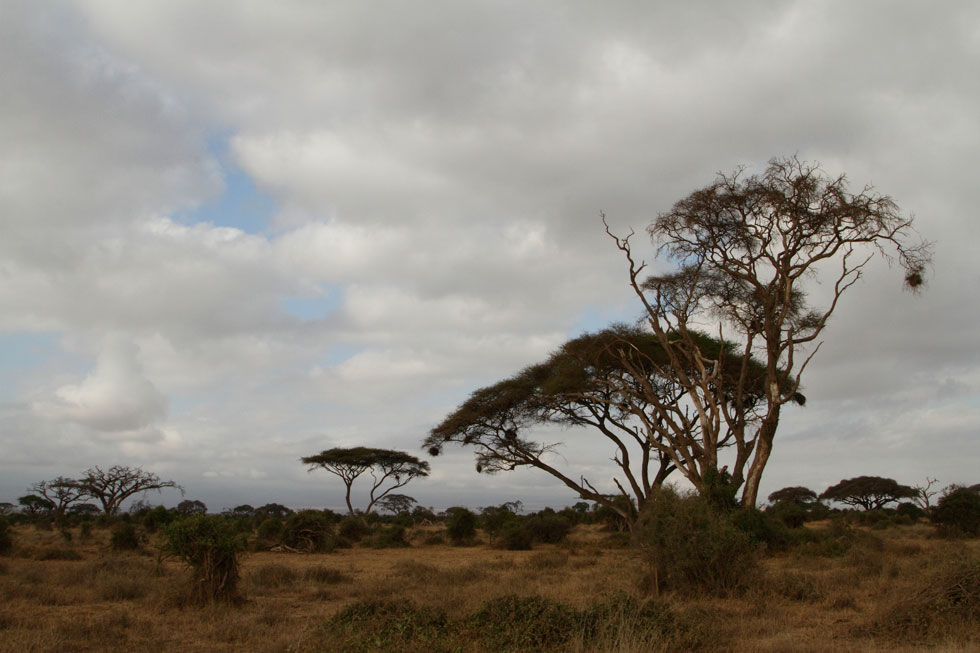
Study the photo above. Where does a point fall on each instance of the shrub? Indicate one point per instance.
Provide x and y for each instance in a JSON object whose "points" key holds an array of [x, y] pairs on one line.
{"points": [[270, 530], [762, 528], [547, 528], [125, 537], [6, 539], [308, 530], [379, 625], [210, 545], [693, 546], [461, 526], [790, 513], [947, 602], [910, 510], [515, 538], [273, 575], [325, 575], [958, 512], [353, 529], [524, 623], [388, 538]]}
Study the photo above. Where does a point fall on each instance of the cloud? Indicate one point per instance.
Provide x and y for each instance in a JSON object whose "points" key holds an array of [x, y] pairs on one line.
{"points": [[116, 398]]}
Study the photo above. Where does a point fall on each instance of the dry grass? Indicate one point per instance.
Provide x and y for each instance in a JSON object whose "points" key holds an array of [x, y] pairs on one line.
{"points": [[894, 590]]}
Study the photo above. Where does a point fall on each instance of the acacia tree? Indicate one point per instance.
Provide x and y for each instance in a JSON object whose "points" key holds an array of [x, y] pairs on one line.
{"points": [[745, 248], [869, 492], [61, 493], [797, 494], [600, 381], [396, 504], [114, 485], [384, 466]]}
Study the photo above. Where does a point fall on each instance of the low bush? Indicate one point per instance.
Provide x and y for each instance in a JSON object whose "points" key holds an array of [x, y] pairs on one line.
{"points": [[692, 546], [325, 575], [958, 512], [308, 530], [379, 625], [125, 537], [547, 528], [515, 538], [789, 513], [6, 539], [762, 528], [273, 575], [210, 546], [388, 538], [461, 526], [353, 529], [947, 604], [524, 623]]}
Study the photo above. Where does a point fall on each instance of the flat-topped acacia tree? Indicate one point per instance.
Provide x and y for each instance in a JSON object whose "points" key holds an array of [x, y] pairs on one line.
{"points": [[384, 465]]}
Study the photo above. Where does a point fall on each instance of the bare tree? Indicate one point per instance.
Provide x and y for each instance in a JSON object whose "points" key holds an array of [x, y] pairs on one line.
{"points": [[114, 485], [745, 249], [384, 466], [61, 493], [925, 493]]}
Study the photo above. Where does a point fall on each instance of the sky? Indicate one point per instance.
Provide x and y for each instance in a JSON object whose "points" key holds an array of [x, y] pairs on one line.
{"points": [[235, 233]]}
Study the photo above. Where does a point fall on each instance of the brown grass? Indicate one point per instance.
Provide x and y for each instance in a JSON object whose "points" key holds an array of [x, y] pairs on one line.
{"points": [[893, 590]]}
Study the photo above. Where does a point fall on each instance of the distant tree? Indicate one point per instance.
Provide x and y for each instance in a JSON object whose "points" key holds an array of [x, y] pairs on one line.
{"points": [[746, 250], [61, 492], [114, 485], [276, 510], [798, 495], [34, 505], [84, 509], [460, 525], [869, 492], [189, 507], [397, 504], [924, 493], [495, 519], [243, 510], [7, 508], [384, 465]]}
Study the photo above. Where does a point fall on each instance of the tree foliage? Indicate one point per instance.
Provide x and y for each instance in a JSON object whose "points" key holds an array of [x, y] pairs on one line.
{"points": [[111, 487], [601, 383], [61, 493], [869, 492], [799, 495], [385, 466], [745, 248]]}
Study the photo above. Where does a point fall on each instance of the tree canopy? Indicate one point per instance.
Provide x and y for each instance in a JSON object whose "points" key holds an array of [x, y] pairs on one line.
{"points": [[111, 487], [796, 494], [869, 492], [618, 384], [745, 249], [396, 468]]}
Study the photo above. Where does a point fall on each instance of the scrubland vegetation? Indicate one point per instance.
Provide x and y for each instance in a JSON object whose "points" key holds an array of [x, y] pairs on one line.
{"points": [[690, 577]]}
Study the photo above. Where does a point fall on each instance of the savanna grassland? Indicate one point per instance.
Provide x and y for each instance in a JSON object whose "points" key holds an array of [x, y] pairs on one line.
{"points": [[895, 589]]}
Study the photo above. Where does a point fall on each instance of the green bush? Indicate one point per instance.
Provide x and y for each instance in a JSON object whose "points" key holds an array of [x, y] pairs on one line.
{"points": [[958, 512], [762, 528], [353, 529], [308, 530], [547, 528], [515, 538], [790, 513], [210, 545], [693, 546], [461, 526], [524, 623], [388, 538], [125, 537], [270, 530], [6, 539], [380, 625]]}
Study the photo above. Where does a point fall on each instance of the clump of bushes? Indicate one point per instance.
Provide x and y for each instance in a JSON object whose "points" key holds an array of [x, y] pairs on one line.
{"points": [[461, 526], [6, 539], [125, 537], [388, 538], [694, 546], [386, 625], [947, 603], [958, 512], [308, 530], [210, 545]]}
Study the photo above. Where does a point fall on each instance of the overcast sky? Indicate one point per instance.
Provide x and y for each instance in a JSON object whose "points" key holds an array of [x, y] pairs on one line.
{"points": [[237, 233]]}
